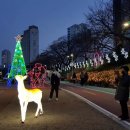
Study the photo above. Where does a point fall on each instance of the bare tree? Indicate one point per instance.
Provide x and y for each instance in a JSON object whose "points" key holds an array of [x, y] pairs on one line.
{"points": [[100, 22]]}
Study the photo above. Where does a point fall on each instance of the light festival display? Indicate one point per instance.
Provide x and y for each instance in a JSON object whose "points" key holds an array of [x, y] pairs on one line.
{"points": [[37, 75], [18, 66], [115, 56], [101, 60], [87, 63], [25, 96], [108, 58], [84, 64], [74, 65], [80, 64], [95, 62], [91, 62], [9, 80], [98, 59], [125, 53]]}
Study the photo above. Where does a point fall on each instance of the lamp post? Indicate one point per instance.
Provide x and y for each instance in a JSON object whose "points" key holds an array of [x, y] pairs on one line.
{"points": [[126, 24], [72, 61], [126, 30]]}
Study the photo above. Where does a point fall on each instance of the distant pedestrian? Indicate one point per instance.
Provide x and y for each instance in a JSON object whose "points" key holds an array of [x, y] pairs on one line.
{"points": [[122, 92], [82, 78], [117, 77], [55, 83], [74, 77], [85, 77]]}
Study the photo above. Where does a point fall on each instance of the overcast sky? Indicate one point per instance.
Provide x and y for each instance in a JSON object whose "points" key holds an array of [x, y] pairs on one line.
{"points": [[52, 17]]}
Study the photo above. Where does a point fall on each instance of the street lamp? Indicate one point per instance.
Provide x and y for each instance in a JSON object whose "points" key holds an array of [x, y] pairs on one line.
{"points": [[126, 29], [126, 24], [72, 61]]}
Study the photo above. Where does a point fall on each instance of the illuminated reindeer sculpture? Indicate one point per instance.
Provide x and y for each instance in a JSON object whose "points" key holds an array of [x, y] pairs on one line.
{"points": [[25, 96]]}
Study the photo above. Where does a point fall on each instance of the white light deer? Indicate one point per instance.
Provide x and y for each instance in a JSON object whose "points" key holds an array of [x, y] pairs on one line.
{"points": [[25, 96]]}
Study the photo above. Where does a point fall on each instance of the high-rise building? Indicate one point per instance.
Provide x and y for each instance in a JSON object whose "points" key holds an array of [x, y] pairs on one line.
{"points": [[79, 33], [6, 58], [30, 44], [77, 29]]}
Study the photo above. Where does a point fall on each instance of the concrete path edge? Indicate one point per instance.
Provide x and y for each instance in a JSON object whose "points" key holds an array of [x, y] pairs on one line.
{"points": [[102, 110]]}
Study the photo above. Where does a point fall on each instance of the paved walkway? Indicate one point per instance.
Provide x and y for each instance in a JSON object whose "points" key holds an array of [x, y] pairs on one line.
{"points": [[100, 98], [69, 113], [100, 89]]}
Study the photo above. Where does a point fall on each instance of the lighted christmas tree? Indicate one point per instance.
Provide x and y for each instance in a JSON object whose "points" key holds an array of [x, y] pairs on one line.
{"points": [[18, 65]]}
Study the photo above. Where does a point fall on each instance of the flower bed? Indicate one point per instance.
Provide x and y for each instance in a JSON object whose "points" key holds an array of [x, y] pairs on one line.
{"points": [[102, 78], [99, 78]]}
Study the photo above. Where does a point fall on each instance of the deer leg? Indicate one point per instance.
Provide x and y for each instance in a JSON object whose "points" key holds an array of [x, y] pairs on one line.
{"points": [[38, 108], [41, 109], [22, 110]]}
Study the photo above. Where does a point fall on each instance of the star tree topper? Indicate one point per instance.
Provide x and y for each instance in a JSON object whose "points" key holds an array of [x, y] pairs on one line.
{"points": [[18, 38]]}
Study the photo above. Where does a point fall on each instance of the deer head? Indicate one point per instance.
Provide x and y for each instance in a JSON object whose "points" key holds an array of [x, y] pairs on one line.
{"points": [[20, 77]]}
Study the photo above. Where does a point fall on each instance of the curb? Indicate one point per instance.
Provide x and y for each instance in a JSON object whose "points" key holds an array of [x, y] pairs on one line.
{"points": [[85, 87], [102, 110]]}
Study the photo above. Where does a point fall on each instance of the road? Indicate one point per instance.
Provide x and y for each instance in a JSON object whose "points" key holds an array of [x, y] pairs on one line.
{"points": [[101, 97]]}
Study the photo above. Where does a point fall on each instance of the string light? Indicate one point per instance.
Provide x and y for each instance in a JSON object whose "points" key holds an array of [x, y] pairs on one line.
{"points": [[95, 62], [87, 63], [115, 56], [91, 62], [125, 53], [108, 59], [101, 60]]}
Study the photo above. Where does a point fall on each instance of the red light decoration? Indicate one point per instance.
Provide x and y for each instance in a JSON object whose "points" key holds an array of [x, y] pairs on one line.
{"points": [[37, 75]]}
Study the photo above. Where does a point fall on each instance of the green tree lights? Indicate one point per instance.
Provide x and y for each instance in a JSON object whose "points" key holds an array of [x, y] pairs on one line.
{"points": [[18, 65]]}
